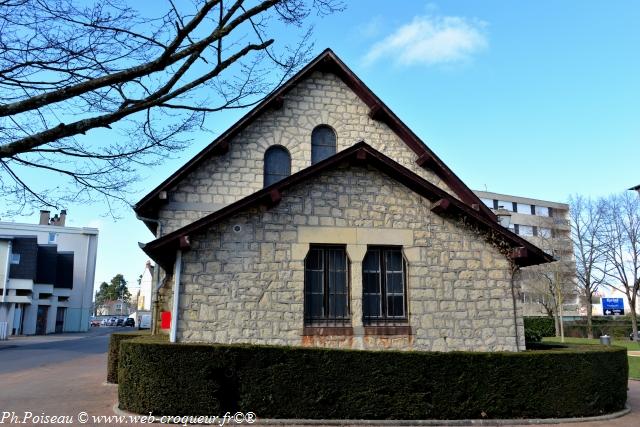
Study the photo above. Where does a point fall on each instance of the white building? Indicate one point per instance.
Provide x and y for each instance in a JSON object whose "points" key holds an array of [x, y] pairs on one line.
{"points": [[547, 225], [144, 293], [46, 276]]}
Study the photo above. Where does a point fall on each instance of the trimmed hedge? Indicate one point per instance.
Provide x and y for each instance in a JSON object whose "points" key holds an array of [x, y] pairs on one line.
{"points": [[114, 352], [286, 382]]}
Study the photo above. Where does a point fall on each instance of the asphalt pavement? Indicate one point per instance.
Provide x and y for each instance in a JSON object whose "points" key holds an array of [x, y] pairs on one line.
{"points": [[64, 375]]}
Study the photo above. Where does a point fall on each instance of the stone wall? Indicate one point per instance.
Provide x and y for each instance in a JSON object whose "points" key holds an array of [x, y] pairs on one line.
{"points": [[246, 286], [320, 99]]}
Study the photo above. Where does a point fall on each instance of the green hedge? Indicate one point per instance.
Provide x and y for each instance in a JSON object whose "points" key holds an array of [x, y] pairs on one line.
{"points": [[535, 328], [114, 352], [285, 382]]}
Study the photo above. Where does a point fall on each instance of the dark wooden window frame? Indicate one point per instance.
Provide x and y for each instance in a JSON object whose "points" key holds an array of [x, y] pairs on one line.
{"points": [[266, 165], [328, 326], [384, 325], [315, 144]]}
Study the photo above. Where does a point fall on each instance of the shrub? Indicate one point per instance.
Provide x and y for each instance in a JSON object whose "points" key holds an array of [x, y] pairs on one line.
{"points": [[535, 328], [285, 382], [114, 352]]}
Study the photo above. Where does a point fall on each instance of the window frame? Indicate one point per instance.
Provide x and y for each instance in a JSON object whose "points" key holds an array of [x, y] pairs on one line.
{"points": [[15, 259], [384, 318], [313, 143], [339, 322], [268, 151]]}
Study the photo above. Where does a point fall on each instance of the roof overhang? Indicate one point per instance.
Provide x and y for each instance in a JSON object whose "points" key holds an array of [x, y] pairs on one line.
{"points": [[163, 250], [327, 62]]}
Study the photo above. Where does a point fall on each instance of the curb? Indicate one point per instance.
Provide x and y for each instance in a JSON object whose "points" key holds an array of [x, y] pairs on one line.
{"points": [[487, 422]]}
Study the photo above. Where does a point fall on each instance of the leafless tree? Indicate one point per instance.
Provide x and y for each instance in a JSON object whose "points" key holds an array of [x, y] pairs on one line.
{"points": [[550, 283], [621, 244], [587, 226], [70, 69]]}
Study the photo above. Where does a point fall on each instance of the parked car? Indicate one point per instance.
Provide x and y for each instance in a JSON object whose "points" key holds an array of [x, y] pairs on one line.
{"points": [[129, 321], [105, 322], [145, 322], [94, 322], [631, 336], [112, 321], [120, 321]]}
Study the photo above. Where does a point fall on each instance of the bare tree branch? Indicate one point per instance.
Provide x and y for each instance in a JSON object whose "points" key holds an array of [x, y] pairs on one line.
{"points": [[72, 72]]}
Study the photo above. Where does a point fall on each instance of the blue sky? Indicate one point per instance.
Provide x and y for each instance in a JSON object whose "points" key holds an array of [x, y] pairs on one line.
{"points": [[537, 99]]}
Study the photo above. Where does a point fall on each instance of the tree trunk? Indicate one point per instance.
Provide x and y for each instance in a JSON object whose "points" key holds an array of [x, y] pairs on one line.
{"points": [[589, 316], [634, 318], [556, 323]]}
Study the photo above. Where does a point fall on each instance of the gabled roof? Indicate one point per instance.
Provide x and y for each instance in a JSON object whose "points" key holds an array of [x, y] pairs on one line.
{"points": [[163, 250], [327, 61]]}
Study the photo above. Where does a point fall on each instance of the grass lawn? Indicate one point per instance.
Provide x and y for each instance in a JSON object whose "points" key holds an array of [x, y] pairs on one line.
{"points": [[634, 361], [628, 344]]}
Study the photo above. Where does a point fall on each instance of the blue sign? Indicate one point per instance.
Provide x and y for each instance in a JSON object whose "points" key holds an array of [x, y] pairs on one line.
{"points": [[612, 306]]}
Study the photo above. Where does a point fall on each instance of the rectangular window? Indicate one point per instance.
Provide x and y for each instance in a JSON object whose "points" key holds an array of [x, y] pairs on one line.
{"points": [[15, 259], [524, 209], [525, 230], [53, 237], [383, 281], [488, 202], [326, 299], [533, 209], [542, 211], [514, 207], [545, 232]]}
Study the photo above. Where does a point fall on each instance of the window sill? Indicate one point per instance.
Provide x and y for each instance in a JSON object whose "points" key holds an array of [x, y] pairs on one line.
{"points": [[388, 330], [327, 330]]}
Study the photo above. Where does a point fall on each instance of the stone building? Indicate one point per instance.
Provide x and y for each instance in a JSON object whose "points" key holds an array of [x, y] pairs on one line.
{"points": [[320, 219]]}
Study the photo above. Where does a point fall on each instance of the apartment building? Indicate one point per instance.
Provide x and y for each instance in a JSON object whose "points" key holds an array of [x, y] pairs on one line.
{"points": [[547, 225], [46, 276]]}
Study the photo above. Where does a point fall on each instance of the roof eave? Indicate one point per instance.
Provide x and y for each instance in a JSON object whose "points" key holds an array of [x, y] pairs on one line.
{"points": [[163, 249]]}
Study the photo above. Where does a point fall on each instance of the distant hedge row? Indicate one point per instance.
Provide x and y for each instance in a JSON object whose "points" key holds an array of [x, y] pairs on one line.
{"points": [[535, 328], [285, 382]]}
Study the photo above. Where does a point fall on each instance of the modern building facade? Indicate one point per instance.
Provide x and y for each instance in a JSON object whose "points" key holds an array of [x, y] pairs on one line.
{"points": [[47, 276], [547, 225], [320, 219]]}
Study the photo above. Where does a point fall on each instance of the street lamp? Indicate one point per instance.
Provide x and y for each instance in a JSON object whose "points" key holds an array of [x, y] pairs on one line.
{"points": [[504, 217]]}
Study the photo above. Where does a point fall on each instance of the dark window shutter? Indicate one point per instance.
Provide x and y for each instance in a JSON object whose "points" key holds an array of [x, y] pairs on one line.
{"points": [[323, 143], [277, 165]]}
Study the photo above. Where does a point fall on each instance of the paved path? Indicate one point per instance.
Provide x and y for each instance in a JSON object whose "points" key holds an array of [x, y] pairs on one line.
{"points": [[65, 374], [56, 374]]}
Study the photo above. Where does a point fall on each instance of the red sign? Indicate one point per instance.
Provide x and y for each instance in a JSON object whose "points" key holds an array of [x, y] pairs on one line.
{"points": [[165, 319]]}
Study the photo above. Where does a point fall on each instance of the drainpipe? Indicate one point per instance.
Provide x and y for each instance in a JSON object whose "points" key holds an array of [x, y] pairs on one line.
{"points": [[6, 270], [514, 270], [176, 296], [155, 309]]}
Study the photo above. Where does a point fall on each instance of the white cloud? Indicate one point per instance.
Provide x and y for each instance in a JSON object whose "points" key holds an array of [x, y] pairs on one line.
{"points": [[430, 40]]}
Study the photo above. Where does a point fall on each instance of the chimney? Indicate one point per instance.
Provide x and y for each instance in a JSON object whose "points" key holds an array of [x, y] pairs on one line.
{"points": [[63, 217], [44, 217]]}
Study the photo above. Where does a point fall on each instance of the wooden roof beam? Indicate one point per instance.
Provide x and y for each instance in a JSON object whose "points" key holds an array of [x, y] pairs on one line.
{"points": [[441, 206]]}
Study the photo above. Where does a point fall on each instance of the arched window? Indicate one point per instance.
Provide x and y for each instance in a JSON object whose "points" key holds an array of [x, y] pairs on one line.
{"points": [[277, 164], [323, 143]]}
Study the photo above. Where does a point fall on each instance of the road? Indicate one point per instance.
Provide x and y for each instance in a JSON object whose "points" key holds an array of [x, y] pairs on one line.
{"points": [[63, 375], [56, 374]]}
